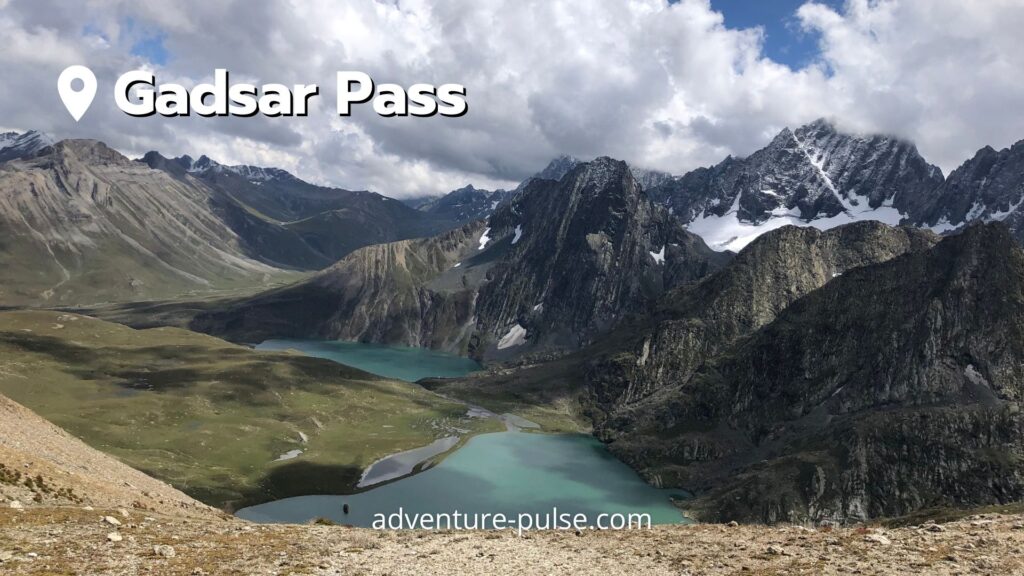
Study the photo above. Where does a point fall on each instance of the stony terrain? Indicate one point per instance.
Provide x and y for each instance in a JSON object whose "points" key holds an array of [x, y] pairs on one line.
{"points": [[91, 514]]}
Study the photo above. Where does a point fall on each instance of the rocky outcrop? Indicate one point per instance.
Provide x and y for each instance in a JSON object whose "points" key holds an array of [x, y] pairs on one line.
{"points": [[467, 204], [892, 388], [582, 253]]}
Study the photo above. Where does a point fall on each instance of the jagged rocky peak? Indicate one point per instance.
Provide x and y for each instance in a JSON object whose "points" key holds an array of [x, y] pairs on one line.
{"points": [[464, 204], [206, 165], [555, 170], [815, 175], [581, 253], [988, 187], [649, 179]]}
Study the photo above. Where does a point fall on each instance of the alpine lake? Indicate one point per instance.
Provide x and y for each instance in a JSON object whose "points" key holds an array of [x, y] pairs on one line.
{"points": [[522, 471]]}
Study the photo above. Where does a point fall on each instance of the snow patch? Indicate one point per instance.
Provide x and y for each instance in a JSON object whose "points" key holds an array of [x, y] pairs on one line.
{"points": [[728, 232], [519, 233], [484, 239], [974, 376], [1000, 215], [516, 336], [659, 256], [943, 226], [289, 455]]}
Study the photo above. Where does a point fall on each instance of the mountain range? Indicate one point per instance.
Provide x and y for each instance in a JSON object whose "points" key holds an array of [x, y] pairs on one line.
{"points": [[826, 330]]}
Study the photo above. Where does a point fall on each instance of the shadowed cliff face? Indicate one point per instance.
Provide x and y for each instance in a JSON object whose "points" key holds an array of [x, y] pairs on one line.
{"points": [[560, 264], [692, 324], [892, 388]]}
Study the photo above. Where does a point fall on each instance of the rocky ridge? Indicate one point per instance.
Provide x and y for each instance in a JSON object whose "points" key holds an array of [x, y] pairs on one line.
{"points": [[806, 419], [522, 280]]}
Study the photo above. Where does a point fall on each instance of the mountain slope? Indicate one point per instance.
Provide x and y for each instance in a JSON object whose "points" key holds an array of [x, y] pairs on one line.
{"points": [[82, 224], [465, 204], [379, 293], [810, 419], [288, 222], [73, 473], [582, 253], [14, 145]]}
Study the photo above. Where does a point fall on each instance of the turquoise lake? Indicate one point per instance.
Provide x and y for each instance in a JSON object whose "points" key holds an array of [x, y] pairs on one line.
{"points": [[506, 472], [401, 363], [510, 473]]}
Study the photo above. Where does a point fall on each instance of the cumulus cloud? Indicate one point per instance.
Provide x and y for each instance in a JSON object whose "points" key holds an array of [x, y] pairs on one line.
{"points": [[665, 86]]}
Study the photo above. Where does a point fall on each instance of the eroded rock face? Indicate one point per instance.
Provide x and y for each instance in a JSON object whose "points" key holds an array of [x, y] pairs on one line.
{"points": [[376, 294], [894, 387]]}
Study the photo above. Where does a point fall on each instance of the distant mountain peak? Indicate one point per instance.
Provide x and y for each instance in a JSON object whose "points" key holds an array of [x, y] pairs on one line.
{"points": [[204, 164], [14, 145], [815, 175]]}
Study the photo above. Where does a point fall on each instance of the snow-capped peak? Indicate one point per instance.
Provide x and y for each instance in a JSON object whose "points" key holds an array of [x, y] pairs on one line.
{"points": [[14, 145]]}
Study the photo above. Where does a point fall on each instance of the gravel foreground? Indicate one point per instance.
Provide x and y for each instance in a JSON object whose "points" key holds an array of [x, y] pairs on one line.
{"points": [[71, 540]]}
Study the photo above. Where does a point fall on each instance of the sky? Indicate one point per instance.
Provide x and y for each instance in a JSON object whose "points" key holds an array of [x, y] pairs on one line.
{"points": [[785, 40], [667, 86]]}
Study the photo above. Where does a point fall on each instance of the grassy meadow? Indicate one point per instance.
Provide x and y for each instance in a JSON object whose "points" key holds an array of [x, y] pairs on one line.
{"points": [[211, 417]]}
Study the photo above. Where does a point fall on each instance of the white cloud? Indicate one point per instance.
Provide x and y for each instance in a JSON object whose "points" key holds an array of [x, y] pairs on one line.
{"points": [[661, 86]]}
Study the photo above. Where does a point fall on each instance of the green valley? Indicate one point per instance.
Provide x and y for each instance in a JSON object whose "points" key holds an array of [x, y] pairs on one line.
{"points": [[213, 418]]}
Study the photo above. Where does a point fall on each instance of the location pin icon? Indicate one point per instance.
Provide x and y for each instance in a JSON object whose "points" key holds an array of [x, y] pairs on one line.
{"points": [[77, 101]]}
